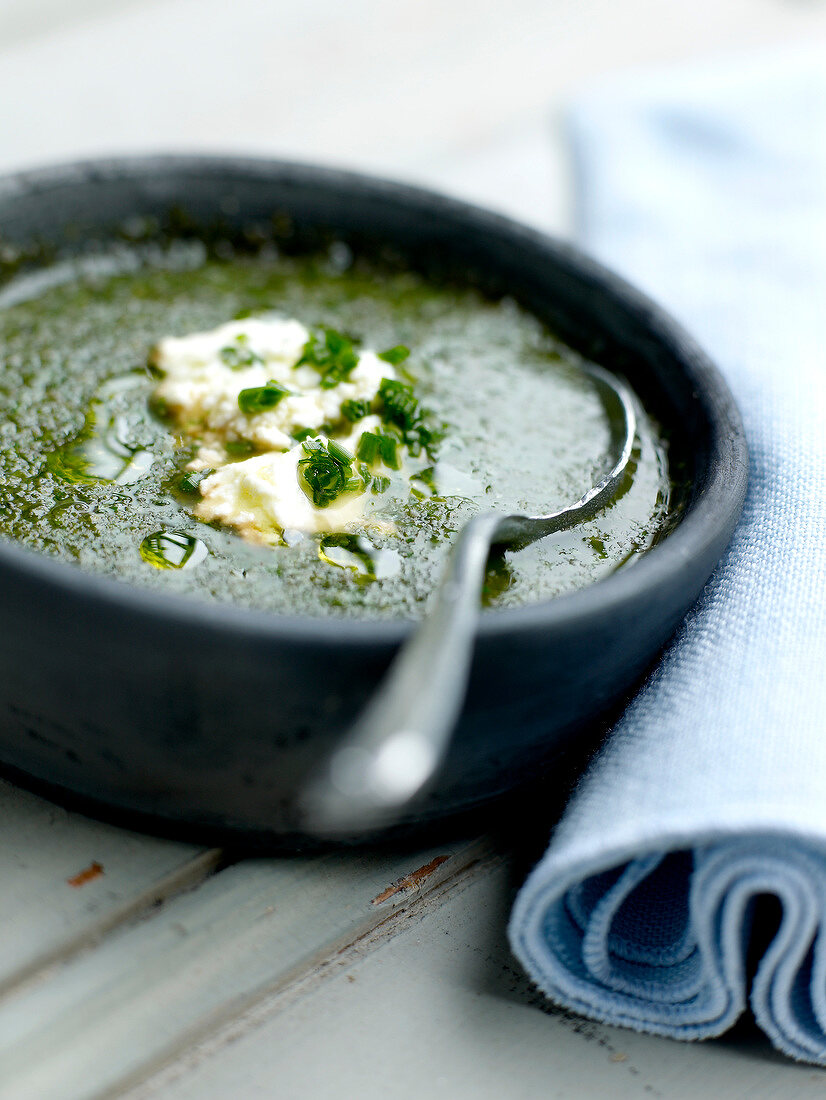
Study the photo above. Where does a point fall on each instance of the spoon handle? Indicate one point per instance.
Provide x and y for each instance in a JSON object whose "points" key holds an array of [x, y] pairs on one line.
{"points": [[400, 738]]}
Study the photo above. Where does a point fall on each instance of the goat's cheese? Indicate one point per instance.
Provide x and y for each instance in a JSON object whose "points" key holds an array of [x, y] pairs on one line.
{"points": [[262, 496], [204, 373]]}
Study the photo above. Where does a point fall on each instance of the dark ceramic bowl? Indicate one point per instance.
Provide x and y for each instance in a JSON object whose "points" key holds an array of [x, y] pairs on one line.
{"points": [[163, 707]]}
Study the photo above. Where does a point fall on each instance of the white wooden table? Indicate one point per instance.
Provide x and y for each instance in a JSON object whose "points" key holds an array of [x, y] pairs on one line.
{"points": [[136, 966]]}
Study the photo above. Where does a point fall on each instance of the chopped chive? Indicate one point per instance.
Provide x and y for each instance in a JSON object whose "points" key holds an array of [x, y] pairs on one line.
{"points": [[172, 550], [300, 434], [395, 355], [373, 445], [375, 483], [388, 449], [261, 398], [332, 354], [400, 407], [238, 447], [340, 453], [237, 356], [369, 447], [313, 446], [190, 482], [327, 472], [322, 479], [355, 410], [400, 404], [426, 478]]}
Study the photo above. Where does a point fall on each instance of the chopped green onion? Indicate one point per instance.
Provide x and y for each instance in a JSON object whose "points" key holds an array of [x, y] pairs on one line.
{"points": [[373, 445], [237, 356], [261, 398], [372, 482], [172, 550], [395, 355], [369, 447], [400, 404], [190, 482], [355, 410], [322, 479], [300, 434], [238, 447], [326, 472], [340, 453], [388, 449], [332, 354], [427, 478], [400, 407]]}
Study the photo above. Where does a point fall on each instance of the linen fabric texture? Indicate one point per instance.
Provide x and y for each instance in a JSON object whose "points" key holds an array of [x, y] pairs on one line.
{"points": [[707, 188]]}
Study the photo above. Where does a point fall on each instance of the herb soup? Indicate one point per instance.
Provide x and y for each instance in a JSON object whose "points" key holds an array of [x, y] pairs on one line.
{"points": [[381, 411]]}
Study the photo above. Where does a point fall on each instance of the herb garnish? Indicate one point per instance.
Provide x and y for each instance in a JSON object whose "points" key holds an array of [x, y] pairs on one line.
{"points": [[425, 478], [326, 472], [400, 407], [373, 445], [355, 410], [237, 356], [261, 398], [332, 354], [300, 434], [339, 453], [395, 355], [375, 483], [190, 482], [400, 404], [239, 448]]}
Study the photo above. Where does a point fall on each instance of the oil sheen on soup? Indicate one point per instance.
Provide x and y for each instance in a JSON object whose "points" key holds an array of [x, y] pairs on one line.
{"points": [[301, 435]]}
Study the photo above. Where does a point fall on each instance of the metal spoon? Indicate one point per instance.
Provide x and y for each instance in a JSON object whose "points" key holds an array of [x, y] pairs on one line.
{"points": [[400, 739]]}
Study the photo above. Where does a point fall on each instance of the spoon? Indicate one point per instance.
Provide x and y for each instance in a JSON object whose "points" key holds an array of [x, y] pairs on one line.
{"points": [[398, 742]]}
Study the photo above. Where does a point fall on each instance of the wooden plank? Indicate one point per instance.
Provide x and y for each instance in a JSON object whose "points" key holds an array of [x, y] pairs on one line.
{"points": [[435, 1006], [67, 879], [110, 1016]]}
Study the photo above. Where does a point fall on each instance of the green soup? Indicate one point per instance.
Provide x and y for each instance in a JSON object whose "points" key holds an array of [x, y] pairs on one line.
{"points": [[92, 474]]}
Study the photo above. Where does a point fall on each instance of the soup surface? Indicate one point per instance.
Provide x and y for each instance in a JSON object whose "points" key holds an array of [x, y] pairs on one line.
{"points": [[96, 469]]}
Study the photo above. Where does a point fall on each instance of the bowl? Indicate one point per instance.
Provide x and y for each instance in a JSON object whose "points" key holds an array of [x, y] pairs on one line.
{"points": [[163, 709]]}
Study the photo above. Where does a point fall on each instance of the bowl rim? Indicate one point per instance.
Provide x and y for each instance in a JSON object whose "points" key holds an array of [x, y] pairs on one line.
{"points": [[708, 515]]}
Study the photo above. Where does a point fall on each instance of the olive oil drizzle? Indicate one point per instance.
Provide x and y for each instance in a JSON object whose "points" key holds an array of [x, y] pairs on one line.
{"points": [[106, 490]]}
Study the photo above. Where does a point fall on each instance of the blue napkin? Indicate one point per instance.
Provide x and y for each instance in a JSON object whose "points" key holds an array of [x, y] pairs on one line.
{"points": [[707, 188]]}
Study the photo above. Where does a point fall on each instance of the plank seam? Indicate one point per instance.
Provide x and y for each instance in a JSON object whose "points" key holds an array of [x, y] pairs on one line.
{"points": [[187, 877], [246, 1013]]}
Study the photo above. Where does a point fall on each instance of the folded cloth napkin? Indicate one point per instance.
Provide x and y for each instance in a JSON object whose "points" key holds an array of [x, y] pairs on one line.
{"points": [[708, 189]]}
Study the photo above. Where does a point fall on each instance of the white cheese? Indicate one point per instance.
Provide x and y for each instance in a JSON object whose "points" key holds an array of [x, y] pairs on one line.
{"points": [[261, 496], [201, 391]]}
